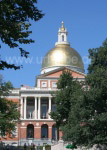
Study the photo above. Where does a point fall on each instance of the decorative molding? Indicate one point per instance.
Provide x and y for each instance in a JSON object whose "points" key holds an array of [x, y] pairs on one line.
{"points": [[23, 123], [37, 124]]}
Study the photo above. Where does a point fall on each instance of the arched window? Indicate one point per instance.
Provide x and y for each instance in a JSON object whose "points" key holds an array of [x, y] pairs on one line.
{"points": [[30, 131], [54, 132], [44, 131], [62, 37]]}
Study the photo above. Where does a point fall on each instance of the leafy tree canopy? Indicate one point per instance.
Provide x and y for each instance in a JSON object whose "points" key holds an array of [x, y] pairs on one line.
{"points": [[64, 97], [81, 110], [15, 17], [8, 110]]}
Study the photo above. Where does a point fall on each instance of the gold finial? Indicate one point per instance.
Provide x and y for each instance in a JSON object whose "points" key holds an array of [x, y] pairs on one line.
{"points": [[62, 27]]}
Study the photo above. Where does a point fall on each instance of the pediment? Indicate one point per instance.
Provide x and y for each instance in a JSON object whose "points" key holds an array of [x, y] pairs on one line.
{"points": [[57, 72]]}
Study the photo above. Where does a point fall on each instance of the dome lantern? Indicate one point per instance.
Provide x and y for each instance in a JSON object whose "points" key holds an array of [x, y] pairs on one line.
{"points": [[62, 35]]}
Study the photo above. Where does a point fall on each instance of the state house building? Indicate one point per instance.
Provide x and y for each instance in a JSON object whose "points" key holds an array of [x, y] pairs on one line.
{"points": [[35, 125]]}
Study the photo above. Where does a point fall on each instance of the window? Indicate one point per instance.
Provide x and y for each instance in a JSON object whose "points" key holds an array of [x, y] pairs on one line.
{"points": [[44, 111], [44, 131], [44, 84], [53, 107], [54, 85], [30, 131], [63, 38], [54, 133]]}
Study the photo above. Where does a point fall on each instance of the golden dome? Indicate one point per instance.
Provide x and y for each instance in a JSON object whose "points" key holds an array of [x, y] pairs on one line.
{"points": [[63, 55]]}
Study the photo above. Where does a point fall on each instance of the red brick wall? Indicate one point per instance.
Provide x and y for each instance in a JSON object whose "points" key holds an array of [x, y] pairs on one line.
{"points": [[37, 130], [13, 99], [74, 74]]}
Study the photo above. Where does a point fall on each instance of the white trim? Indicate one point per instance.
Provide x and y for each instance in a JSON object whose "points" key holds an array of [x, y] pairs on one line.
{"points": [[36, 119], [18, 97], [21, 107], [49, 83], [49, 107], [38, 83], [39, 107], [37, 95], [25, 107], [53, 69], [35, 108]]}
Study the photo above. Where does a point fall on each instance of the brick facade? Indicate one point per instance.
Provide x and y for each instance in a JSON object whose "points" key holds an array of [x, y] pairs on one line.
{"points": [[33, 100]]}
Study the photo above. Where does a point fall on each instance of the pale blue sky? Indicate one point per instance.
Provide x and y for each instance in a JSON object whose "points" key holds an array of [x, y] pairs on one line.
{"points": [[86, 22]]}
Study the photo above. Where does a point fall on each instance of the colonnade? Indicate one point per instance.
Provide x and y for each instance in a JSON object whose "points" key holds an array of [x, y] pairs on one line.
{"points": [[23, 106]]}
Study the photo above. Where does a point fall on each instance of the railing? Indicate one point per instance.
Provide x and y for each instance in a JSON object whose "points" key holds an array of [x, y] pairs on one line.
{"points": [[37, 88]]}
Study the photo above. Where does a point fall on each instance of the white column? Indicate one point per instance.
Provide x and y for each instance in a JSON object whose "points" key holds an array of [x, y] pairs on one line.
{"points": [[39, 108], [21, 107], [35, 107], [49, 107], [25, 107]]}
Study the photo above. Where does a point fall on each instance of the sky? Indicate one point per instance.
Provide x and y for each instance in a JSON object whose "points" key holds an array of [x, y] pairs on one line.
{"points": [[86, 23]]}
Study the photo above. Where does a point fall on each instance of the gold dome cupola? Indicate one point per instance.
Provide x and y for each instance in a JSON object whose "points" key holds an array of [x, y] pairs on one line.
{"points": [[62, 55], [62, 35]]}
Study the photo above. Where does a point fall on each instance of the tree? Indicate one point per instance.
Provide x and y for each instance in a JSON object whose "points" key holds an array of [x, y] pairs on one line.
{"points": [[64, 99], [97, 81], [8, 110], [86, 119], [15, 18]]}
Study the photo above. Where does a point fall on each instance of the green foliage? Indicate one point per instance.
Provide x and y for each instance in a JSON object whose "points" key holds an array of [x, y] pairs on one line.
{"points": [[98, 58], [71, 146], [8, 109], [67, 87], [97, 81], [88, 117], [81, 111], [15, 18]]}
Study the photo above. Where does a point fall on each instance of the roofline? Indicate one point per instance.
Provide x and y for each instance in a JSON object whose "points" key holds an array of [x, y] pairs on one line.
{"points": [[61, 68]]}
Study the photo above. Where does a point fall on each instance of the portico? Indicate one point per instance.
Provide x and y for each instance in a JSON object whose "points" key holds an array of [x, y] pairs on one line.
{"points": [[35, 108]]}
